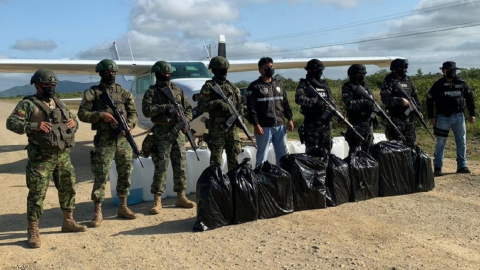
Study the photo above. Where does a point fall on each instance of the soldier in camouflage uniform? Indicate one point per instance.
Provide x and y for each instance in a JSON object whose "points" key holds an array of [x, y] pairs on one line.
{"points": [[396, 104], [211, 102], [167, 143], [50, 128], [316, 124], [360, 111], [93, 110]]}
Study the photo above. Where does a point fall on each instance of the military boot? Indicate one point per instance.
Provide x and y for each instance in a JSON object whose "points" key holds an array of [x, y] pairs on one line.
{"points": [[97, 215], [124, 211], [33, 234], [183, 201], [69, 224], [157, 204]]}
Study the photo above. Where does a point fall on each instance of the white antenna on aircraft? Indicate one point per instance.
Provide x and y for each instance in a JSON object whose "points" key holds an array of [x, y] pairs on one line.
{"points": [[208, 50], [131, 52]]}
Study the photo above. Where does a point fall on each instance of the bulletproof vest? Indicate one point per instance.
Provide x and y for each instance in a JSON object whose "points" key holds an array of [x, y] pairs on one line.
{"points": [[399, 111], [451, 98], [315, 114], [229, 90], [118, 100], [60, 137], [161, 99], [357, 116]]}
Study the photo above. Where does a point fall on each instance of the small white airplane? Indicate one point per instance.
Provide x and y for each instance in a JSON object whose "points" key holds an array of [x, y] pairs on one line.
{"points": [[188, 75]]}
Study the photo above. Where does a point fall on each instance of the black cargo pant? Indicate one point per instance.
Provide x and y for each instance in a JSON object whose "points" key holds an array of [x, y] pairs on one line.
{"points": [[406, 127], [317, 135], [366, 130]]}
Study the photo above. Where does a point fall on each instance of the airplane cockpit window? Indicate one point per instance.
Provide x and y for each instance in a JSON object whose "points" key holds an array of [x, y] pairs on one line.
{"points": [[190, 70]]}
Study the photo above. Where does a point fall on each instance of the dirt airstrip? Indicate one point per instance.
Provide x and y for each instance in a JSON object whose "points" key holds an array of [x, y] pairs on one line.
{"points": [[435, 230]]}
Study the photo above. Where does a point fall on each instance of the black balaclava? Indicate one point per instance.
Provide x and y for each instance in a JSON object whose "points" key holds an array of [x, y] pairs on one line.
{"points": [[48, 92], [161, 77], [220, 74], [315, 75], [107, 78], [451, 73]]}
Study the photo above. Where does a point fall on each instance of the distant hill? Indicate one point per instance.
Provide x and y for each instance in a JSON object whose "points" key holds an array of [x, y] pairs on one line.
{"points": [[62, 87]]}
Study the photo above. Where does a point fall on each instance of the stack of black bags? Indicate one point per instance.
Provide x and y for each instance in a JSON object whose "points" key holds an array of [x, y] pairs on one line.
{"points": [[305, 182]]}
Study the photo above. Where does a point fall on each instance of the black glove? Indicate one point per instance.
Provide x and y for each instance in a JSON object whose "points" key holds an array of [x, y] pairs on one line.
{"points": [[170, 110]]}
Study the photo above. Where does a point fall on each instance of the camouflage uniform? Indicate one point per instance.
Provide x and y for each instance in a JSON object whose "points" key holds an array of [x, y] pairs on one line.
{"points": [[106, 150], [218, 138], [166, 143], [317, 127], [48, 153], [360, 115]]}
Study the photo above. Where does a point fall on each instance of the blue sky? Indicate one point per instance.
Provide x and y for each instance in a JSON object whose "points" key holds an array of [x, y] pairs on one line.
{"points": [[176, 30]]}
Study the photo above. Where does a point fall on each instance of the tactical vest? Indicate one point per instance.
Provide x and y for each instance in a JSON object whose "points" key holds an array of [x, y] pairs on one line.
{"points": [[160, 99], [315, 114], [399, 111], [358, 116], [60, 137], [229, 90], [118, 100], [451, 98]]}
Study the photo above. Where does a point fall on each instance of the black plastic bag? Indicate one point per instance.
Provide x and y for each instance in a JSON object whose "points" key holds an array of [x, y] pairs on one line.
{"points": [[245, 193], [338, 180], [214, 200], [422, 163], [363, 172], [308, 180], [275, 196], [397, 176]]}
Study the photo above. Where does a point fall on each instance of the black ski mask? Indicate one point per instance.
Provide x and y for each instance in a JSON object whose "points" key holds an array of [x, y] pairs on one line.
{"points": [[315, 75], [360, 78], [48, 92], [451, 73], [401, 72], [268, 72], [107, 78], [163, 77], [220, 74]]}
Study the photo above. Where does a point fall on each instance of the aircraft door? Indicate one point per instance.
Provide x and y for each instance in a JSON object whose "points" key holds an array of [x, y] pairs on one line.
{"points": [[142, 83]]}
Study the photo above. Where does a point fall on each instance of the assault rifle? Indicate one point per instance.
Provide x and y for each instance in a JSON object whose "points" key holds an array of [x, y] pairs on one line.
{"points": [[377, 109], [331, 107], [182, 121], [122, 124], [235, 116], [412, 107]]}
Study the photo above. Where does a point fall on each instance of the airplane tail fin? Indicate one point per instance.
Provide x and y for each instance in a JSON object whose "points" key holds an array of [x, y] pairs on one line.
{"points": [[122, 80], [222, 49]]}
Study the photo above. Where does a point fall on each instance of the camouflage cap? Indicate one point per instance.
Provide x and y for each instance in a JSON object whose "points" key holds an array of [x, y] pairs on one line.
{"points": [[219, 62]]}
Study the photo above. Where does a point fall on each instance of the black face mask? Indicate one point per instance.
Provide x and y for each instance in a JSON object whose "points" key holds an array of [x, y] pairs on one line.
{"points": [[401, 72], [220, 74], [268, 72], [315, 75], [163, 77], [48, 92], [451, 74], [360, 78], [107, 78]]}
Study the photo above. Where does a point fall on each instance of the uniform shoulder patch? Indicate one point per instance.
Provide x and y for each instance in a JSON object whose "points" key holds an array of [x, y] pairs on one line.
{"points": [[20, 112]]}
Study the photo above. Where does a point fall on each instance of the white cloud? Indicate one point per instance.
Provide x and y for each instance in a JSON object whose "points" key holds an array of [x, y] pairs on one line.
{"points": [[32, 44], [344, 4]]}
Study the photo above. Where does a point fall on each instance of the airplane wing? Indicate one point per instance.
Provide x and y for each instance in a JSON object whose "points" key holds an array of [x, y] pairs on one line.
{"points": [[141, 67], [250, 65], [80, 67]]}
